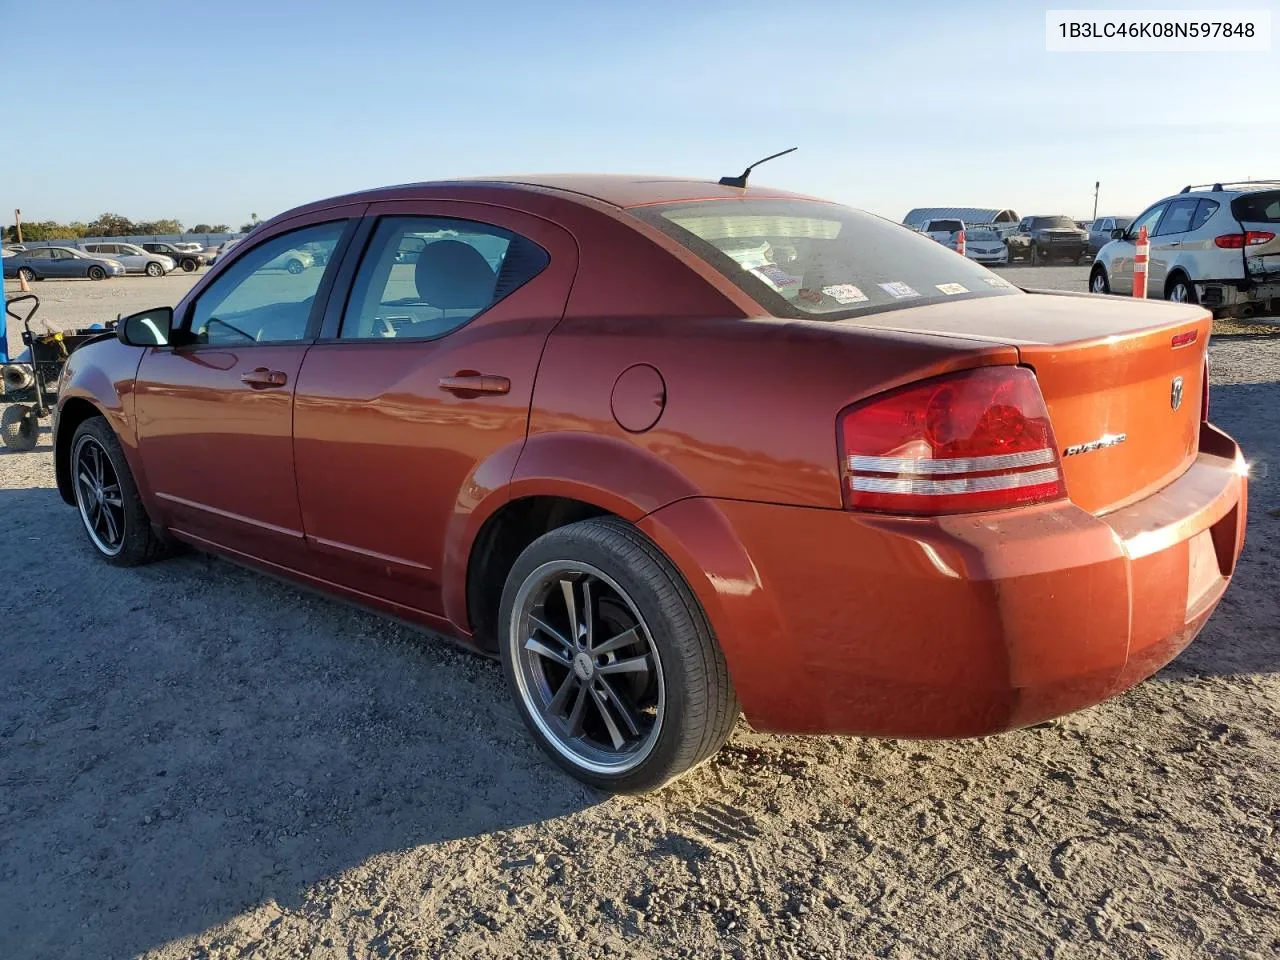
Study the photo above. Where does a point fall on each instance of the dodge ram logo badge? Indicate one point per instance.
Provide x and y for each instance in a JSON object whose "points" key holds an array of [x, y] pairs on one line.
{"points": [[1175, 394], [1106, 440]]}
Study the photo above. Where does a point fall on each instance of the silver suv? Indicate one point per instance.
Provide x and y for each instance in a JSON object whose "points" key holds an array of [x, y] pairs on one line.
{"points": [[1217, 246]]}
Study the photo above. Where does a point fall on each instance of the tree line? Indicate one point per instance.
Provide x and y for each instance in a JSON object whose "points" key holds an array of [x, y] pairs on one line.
{"points": [[113, 225]]}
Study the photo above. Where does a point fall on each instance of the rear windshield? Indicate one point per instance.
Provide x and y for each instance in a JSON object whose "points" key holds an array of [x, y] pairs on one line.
{"points": [[1257, 207], [1053, 223], [938, 225], [805, 259]]}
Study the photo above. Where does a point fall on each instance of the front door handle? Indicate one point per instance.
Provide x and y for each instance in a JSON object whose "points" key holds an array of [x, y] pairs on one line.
{"points": [[261, 377], [468, 383], [1175, 243]]}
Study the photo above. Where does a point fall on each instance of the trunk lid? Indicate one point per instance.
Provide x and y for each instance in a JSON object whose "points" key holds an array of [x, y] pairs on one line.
{"points": [[1107, 369]]}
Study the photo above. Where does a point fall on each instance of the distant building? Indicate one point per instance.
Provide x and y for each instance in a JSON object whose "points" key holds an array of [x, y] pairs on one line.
{"points": [[972, 216]]}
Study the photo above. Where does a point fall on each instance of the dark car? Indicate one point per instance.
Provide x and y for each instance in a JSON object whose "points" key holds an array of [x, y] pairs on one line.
{"points": [[667, 448], [188, 260], [1041, 239]]}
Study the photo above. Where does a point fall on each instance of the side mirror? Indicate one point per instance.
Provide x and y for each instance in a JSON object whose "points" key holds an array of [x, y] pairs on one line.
{"points": [[151, 328], [1117, 233]]}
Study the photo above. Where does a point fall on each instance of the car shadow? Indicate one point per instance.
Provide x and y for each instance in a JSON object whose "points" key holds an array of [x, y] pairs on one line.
{"points": [[182, 742], [1240, 637]]}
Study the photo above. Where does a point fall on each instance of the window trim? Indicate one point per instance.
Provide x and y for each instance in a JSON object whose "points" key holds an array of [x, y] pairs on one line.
{"points": [[360, 248], [1139, 218], [1159, 228], [318, 305]]}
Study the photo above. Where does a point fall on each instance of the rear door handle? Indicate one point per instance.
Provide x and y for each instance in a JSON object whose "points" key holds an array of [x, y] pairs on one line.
{"points": [[261, 377], [1175, 243], [469, 383]]}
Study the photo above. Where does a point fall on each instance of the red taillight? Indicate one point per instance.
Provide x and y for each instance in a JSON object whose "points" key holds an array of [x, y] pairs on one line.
{"points": [[1183, 339], [1234, 241], [977, 440]]}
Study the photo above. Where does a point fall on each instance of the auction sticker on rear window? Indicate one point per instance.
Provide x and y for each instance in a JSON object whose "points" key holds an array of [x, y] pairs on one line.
{"points": [[898, 290], [951, 289], [845, 293]]}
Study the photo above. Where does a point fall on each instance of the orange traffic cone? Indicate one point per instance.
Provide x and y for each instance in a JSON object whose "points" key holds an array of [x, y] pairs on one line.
{"points": [[22, 283]]}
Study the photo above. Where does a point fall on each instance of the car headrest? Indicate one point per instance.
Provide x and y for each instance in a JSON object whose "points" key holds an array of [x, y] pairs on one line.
{"points": [[451, 274]]}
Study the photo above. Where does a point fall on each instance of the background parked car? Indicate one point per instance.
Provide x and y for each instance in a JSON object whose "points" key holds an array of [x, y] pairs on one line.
{"points": [[222, 251], [134, 258], [1049, 237], [40, 263], [1101, 229], [945, 231], [985, 246], [1218, 247], [295, 261], [188, 260]]}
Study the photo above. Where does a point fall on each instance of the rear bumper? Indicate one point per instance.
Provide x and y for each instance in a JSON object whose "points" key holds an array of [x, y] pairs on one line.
{"points": [[835, 622]]}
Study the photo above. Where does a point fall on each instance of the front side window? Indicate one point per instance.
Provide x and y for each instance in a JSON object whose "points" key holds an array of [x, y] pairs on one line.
{"points": [[806, 259], [1148, 220], [265, 296], [423, 277]]}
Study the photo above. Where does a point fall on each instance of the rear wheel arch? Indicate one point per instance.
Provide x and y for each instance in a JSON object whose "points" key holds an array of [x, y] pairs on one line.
{"points": [[1176, 275], [499, 543], [75, 411]]}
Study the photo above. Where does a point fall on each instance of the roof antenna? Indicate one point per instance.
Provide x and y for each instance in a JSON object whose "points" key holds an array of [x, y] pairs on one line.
{"points": [[742, 180]]}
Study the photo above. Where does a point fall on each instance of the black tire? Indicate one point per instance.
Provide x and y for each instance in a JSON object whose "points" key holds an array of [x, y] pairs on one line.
{"points": [[1180, 289], [294, 266], [138, 543], [189, 265], [20, 428], [700, 706], [27, 274], [1036, 257], [154, 269], [97, 273], [1098, 278]]}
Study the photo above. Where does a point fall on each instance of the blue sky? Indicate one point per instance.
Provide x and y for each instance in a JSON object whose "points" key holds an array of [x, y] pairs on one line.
{"points": [[212, 111]]}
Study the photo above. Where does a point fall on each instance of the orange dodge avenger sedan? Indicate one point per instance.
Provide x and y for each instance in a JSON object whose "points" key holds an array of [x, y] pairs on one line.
{"points": [[672, 449]]}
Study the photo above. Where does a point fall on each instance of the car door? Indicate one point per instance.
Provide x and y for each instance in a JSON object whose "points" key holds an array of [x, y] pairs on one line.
{"points": [[1099, 234], [67, 264], [214, 412], [424, 374], [1166, 239], [1120, 268]]}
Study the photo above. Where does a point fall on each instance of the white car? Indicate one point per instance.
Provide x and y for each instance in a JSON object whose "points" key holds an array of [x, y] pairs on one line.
{"points": [[1218, 246], [945, 232], [986, 246], [134, 258]]}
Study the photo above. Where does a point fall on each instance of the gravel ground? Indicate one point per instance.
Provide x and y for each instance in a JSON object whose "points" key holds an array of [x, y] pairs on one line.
{"points": [[196, 761]]}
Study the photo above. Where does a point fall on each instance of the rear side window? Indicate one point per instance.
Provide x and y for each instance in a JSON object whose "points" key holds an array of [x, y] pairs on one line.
{"points": [[1177, 219], [810, 260], [1204, 211], [423, 277], [1257, 207]]}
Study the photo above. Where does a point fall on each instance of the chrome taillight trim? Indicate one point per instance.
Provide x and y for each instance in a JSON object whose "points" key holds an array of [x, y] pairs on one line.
{"points": [[925, 467], [932, 488]]}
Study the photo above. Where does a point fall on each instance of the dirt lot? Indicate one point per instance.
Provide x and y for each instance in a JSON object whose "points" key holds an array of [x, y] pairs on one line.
{"points": [[199, 762]]}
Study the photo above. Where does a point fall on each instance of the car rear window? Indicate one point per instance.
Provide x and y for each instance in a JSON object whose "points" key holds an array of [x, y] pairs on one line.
{"points": [[952, 225], [805, 259], [1257, 207]]}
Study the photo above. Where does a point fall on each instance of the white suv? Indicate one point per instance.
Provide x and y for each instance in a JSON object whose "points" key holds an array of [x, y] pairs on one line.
{"points": [[1218, 246]]}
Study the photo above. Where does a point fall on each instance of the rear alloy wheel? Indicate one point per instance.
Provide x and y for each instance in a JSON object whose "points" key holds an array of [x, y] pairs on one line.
{"points": [[1098, 282], [20, 428], [107, 498], [155, 270], [1180, 290], [611, 660], [26, 273], [97, 273], [294, 266]]}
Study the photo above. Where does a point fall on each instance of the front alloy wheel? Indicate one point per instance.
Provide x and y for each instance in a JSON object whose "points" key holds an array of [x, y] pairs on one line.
{"points": [[98, 496], [1098, 282]]}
